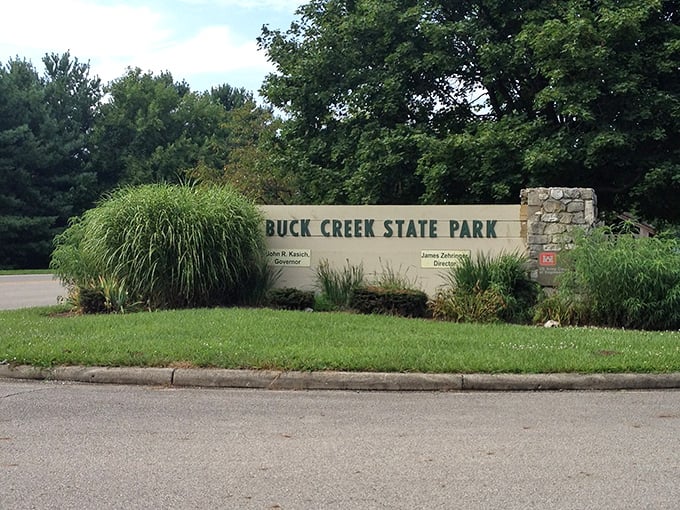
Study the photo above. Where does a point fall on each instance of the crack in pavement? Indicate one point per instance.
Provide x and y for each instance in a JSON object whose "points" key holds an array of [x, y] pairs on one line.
{"points": [[23, 392]]}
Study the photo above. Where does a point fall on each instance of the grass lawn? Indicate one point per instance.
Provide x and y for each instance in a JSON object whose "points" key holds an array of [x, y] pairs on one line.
{"points": [[262, 338]]}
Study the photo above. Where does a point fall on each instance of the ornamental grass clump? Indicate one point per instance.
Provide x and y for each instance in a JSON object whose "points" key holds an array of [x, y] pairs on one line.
{"points": [[487, 289], [338, 285], [168, 246], [619, 280]]}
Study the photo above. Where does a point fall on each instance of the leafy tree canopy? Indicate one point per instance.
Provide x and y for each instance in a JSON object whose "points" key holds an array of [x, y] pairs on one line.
{"points": [[44, 121], [65, 140], [447, 102], [151, 129], [247, 156]]}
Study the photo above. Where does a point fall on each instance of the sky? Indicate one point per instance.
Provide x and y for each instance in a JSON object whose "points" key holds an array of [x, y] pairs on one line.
{"points": [[205, 42]]}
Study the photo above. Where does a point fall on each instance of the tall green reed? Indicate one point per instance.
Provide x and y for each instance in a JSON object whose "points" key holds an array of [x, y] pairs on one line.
{"points": [[170, 246], [487, 289], [337, 285], [623, 281]]}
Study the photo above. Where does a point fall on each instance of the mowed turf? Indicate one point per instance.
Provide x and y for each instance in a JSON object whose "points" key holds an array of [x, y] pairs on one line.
{"points": [[288, 340]]}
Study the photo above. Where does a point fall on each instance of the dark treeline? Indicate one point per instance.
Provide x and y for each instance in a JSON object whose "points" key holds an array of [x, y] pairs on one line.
{"points": [[66, 139], [440, 101], [383, 102]]}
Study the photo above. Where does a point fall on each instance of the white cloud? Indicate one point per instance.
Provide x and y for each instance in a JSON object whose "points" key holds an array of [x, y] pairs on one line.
{"points": [[279, 5], [213, 49], [114, 36], [82, 26]]}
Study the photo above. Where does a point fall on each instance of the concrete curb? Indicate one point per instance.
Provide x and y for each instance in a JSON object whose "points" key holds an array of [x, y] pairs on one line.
{"points": [[355, 381], [365, 381], [103, 375], [563, 382], [224, 378]]}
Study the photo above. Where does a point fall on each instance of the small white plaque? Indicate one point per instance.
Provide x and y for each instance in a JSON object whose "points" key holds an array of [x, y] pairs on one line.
{"points": [[441, 259], [290, 257]]}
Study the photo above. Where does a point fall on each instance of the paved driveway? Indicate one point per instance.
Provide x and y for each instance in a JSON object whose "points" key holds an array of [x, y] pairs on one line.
{"points": [[24, 291], [68, 446]]}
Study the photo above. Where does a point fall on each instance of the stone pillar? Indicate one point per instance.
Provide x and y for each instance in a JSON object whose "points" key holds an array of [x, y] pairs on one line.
{"points": [[549, 217]]}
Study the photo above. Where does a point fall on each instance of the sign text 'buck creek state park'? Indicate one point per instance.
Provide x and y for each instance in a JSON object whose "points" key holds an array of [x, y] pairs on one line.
{"points": [[367, 227]]}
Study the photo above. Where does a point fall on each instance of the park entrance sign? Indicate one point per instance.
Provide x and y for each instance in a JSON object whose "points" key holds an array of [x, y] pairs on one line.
{"points": [[423, 242], [419, 242]]}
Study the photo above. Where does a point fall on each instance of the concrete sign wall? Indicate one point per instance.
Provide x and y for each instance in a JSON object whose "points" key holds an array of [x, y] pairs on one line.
{"points": [[420, 242]]}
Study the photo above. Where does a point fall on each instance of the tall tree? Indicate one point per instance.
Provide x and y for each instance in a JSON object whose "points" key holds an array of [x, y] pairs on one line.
{"points": [[138, 135], [153, 129], [231, 97], [43, 151], [438, 101], [347, 80], [245, 158], [73, 99], [576, 94]]}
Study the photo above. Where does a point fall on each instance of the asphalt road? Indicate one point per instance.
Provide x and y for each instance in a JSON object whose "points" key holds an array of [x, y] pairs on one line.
{"points": [[94, 446], [23, 291]]}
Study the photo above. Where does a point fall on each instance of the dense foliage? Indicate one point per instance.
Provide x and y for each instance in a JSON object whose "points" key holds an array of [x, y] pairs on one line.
{"points": [[44, 151], [154, 129], [289, 298], [456, 102], [389, 301], [336, 286], [166, 246], [487, 289], [619, 280], [382, 102], [65, 139]]}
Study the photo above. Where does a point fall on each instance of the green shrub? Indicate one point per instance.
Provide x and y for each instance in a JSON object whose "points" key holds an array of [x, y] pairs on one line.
{"points": [[101, 296], [337, 286], [624, 281], [260, 281], [168, 246], [483, 306], [487, 289], [322, 304], [567, 310], [70, 261], [389, 301], [290, 299], [89, 299]]}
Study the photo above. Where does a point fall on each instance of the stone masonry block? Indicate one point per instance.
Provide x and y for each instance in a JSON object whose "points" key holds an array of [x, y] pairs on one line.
{"points": [[553, 206], [566, 218], [575, 206], [572, 193], [552, 247], [539, 239], [533, 199], [536, 227], [589, 213], [554, 228], [578, 218], [557, 193]]}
